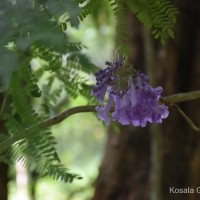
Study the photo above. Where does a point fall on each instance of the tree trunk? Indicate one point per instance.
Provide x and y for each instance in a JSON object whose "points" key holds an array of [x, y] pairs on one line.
{"points": [[124, 170], [138, 164], [3, 181], [3, 167]]}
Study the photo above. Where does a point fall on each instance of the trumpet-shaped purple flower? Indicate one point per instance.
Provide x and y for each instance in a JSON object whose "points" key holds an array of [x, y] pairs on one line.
{"points": [[137, 105], [104, 111], [105, 77], [121, 113], [100, 89]]}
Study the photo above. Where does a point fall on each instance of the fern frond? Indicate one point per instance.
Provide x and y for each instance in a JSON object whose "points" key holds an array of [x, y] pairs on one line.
{"points": [[88, 8], [86, 92], [21, 105], [72, 73], [26, 141], [119, 8], [79, 61], [158, 15]]}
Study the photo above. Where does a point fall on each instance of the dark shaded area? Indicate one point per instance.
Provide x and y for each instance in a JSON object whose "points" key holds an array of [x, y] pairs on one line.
{"points": [[125, 170], [3, 166], [118, 175]]}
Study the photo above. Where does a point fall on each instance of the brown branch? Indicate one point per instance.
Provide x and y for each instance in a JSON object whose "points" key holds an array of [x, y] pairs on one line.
{"points": [[168, 100], [181, 97], [71, 111], [62, 116]]}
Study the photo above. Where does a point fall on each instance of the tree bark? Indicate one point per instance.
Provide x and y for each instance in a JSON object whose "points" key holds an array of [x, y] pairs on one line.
{"points": [[3, 166], [124, 170], [3, 181], [127, 170]]}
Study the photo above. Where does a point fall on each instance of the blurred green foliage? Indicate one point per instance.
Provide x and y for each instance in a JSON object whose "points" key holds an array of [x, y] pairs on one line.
{"points": [[43, 66], [81, 138], [39, 36]]}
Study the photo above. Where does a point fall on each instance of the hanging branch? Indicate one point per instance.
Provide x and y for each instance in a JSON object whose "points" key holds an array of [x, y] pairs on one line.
{"points": [[168, 100]]}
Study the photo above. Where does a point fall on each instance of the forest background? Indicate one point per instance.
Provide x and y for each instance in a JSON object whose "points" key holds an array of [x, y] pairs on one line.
{"points": [[44, 70]]}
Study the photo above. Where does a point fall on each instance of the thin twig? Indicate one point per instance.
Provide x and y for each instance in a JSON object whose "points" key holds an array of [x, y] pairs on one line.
{"points": [[190, 122]]}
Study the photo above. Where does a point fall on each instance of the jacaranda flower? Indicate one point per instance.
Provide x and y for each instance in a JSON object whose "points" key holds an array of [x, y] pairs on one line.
{"points": [[105, 78], [103, 111], [136, 104], [100, 89]]}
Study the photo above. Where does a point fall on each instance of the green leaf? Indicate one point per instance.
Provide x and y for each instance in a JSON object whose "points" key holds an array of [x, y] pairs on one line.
{"points": [[157, 35], [171, 33], [163, 41]]}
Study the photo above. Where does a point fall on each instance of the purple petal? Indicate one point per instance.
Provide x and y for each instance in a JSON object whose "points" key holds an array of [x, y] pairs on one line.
{"points": [[99, 91], [138, 116], [125, 101], [142, 80], [132, 93], [102, 74], [159, 112], [116, 113], [124, 117], [103, 111]]}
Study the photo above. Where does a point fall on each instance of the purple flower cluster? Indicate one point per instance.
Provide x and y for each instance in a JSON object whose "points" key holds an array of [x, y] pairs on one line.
{"points": [[105, 78], [137, 105]]}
